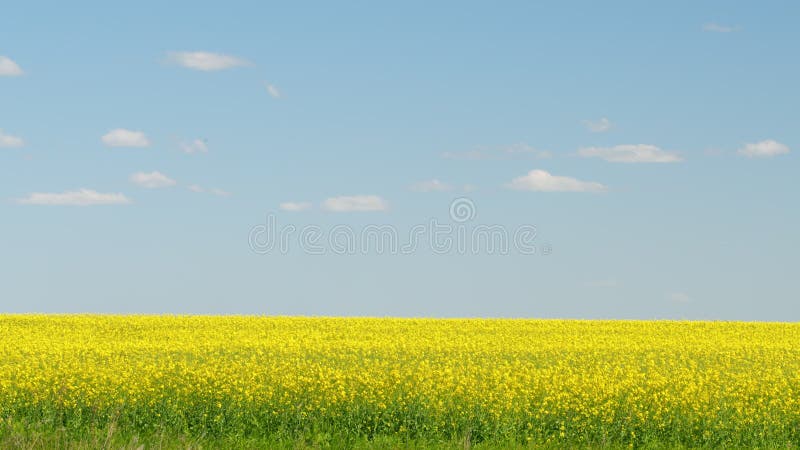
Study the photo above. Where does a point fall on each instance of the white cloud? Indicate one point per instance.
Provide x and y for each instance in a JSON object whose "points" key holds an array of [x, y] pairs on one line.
{"points": [[8, 68], [295, 206], [542, 181], [206, 61], [272, 90], [213, 191], [764, 149], [633, 153], [194, 146], [512, 151], [431, 186], [81, 197], [678, 297], [152, 180], [121, 137], [717, 28], [9, 141], [598, 126], [355, 203]]}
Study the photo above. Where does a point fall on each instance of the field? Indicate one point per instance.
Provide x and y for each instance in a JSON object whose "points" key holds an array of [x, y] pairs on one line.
{"points": [[178, 381]]}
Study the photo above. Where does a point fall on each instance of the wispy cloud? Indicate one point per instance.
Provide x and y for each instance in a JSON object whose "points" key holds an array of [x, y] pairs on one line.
{"points": [[152, 180], [8, 68], [9, 141], [520, 150], [295, 206], [194, 146], [635, 153], [356, 203], [598, 126], [542, 181], [272, 90], [213, 191], [121, 137], [431, 186], [81, 197], [764, 149], [206, 61], [712, 27]]}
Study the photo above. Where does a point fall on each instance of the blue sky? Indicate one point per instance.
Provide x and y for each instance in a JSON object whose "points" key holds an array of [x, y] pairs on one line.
{"points": [[653, 147]]}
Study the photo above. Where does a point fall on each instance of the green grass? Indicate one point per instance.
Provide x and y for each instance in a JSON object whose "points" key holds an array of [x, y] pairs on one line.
{"points": [[33, 435]]}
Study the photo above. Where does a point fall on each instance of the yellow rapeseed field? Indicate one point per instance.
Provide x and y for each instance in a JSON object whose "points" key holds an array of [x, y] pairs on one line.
{"points": [[536, 381]]}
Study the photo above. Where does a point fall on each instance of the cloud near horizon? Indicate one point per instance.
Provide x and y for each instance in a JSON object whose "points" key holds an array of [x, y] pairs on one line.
{"points": [[355, 203], [9, 141], [631, 153], [214, 191], [272, 90], [194, 146], [518, 150], [764, 149], [152, 180], [121, 137], [431, 186], [295, 206], [542, 181], [206, 61], [9, 68], [712, 27], [598, 126], [81, 197]]}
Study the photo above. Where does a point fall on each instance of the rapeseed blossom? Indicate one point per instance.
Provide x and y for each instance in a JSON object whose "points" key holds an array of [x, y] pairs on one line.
{"points": [[526, 380]]}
